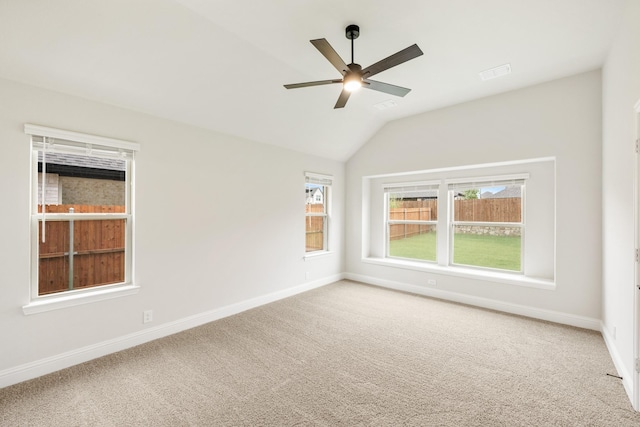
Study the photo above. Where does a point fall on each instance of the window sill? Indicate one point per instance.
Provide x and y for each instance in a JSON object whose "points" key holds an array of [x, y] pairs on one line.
{"points": [[317, 254], [65, 300], [491, 276]]}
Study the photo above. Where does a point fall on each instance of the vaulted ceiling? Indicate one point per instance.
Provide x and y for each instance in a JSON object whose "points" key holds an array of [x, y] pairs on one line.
{"points": [[221, 64]]}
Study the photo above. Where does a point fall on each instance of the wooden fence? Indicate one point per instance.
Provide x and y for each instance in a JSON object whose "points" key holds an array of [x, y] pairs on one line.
{"points": [[472, 210], [98, 250], [489, 210], [314, 227], [400, 231]]}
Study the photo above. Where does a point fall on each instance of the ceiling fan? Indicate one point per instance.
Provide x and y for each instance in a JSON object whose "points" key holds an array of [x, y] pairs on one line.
{"points": [[353, 75]]}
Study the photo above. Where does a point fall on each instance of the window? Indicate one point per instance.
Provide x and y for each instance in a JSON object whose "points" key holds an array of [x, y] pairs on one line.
{"points": [[317, 196], [487, 226], [481, 226], [494, 222], [412, 217], [81, 212]]}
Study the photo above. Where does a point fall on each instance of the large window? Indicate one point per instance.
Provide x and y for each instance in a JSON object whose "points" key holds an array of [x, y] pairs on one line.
{"points": [[411, 216], [481, 225], [317, 213], [487, 226], [81, 214]]}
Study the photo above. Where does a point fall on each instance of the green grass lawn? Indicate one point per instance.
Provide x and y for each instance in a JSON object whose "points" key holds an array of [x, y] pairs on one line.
{"points": [[422, 246], [502, 252]]}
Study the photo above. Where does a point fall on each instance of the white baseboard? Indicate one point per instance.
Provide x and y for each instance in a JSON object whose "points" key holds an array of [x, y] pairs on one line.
{"points": [[522, 310], [51, 364], [627, 379]]}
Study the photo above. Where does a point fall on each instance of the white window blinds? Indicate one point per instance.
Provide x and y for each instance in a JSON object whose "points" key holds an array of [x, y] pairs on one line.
{"points": [[51, 140], [318, 179], [410, 187], [473, 183]]}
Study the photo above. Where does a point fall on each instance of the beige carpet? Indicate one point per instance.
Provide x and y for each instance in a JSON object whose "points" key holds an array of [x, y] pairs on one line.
{"points": [[343, 355]]}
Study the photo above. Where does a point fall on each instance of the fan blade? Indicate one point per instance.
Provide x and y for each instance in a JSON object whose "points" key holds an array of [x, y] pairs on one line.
{"points": [[325, 48], [386, 88], [393, 60], [342, 99], [317, 83]]}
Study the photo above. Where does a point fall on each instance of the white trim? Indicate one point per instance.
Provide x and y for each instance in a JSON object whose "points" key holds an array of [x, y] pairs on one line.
{"points": [[64, 360], [627, 380], [463, 168], [79, 297], [635, 395], [496, 179], [411, 221], [316, 254], [510, 278], [507, 307], [37, 130], [90, 216]]}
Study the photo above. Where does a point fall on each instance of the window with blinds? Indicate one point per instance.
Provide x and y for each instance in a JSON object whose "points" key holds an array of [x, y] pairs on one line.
{"points": [[411, 220], [81, 211], [317, 214]]}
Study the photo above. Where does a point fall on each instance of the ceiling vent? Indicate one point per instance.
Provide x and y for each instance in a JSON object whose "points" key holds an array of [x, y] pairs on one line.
{"points": [[493, 73], [386, 105]]}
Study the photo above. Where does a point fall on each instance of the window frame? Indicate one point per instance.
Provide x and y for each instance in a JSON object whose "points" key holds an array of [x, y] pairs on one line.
{"points": [[483, 183], [96, 146], [326, 182], [446, 223], [409, 187]]}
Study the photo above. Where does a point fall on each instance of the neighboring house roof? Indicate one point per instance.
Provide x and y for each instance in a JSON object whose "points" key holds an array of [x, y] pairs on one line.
{"points": [[512, 191], [428, 194], [83, 166]]}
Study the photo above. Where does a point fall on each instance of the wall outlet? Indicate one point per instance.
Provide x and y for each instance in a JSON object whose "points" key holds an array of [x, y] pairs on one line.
{"points": [[613, 332], [432, 282], [147, 316], [306, 275]]}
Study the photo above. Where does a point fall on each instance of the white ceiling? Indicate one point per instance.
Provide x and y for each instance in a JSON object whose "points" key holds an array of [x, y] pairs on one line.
{"points": [[221, 64]]}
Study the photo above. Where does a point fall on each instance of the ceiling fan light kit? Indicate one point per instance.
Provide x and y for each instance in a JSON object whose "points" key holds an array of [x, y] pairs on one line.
{"points": [[353, 75]]}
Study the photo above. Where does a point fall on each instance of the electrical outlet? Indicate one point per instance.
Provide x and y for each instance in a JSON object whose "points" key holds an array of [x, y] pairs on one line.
{"points": [[147, 316], [613, 332], [432, 282], [306, 275]]}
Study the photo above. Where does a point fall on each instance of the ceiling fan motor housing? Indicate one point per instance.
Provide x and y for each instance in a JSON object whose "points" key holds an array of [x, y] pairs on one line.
{"points": [[355, 68], [352, 32]]}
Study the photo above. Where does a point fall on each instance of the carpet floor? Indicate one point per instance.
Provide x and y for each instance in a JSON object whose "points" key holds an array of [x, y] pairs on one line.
{"points": [[346, 354]]}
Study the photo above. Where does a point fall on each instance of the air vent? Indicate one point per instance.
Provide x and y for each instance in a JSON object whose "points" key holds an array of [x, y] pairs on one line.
{"points": [[390, 103], [493, 73]]}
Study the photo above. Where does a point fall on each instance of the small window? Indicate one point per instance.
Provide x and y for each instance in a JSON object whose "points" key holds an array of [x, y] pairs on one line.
{"points": [[81, 215], [412, 217], [487, 225], [317, 218]]}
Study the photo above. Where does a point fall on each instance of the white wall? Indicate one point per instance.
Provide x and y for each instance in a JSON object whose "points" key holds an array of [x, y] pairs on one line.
{"points": [[560, 119], [219, 220], [621, 90]]}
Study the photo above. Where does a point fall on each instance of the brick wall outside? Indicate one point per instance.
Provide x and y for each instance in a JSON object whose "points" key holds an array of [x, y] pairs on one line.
{"points": [[88, 191]]}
